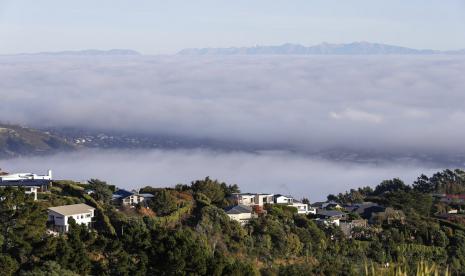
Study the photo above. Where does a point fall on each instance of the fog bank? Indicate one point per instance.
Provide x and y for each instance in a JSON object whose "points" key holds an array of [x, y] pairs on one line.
{"points": [[273, 172], [388, 103]]}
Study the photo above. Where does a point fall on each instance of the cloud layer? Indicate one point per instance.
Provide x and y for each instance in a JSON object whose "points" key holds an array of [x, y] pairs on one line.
{"points": [[392, 104], [273, 172]]}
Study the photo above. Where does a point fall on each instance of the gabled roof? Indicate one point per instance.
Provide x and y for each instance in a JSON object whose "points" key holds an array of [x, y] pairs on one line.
{"points": [[238, 209], [74, 209]]}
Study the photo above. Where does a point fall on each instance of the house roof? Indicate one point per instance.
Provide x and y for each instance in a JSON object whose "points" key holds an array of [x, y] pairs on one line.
{"points": [[147, 195], [280, 195], [122, 193], [74, 209], [238, 209], [252, 194], [35, 182], [330, 213], [317, 204]]}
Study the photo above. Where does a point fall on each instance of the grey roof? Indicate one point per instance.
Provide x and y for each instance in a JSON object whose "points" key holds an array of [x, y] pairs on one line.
{"points": [[238, 209], [146, 195], [74, 209], [330, 213], [366, 210], [253, 194], [317, 204]]}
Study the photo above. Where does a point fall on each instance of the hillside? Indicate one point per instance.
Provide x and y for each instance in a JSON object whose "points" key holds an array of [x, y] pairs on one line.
{"points": [[354, 48], [21, 141], [393, 229]]}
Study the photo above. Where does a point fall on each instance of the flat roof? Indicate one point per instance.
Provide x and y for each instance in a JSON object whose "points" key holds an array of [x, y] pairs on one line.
{"points": [[74, 209]]}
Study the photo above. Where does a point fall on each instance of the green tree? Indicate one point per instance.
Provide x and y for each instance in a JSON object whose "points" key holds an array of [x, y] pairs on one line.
{"points": [[211, 188], [22, 223], [73, 253], [163, 202], [102, 191], [392, 185], [49, 268], [8, 265]]}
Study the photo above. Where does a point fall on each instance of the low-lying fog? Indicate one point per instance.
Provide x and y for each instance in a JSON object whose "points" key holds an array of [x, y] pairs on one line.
{"points": [[391, 105], [384, 103], [273, 172]]}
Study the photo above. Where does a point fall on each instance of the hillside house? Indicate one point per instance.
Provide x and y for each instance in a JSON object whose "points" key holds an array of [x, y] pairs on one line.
{"points": [[26, 180], [240, 213], [290, 201], [59, 216], [133, 198], [282, 199], [366, 210], [303, 208], [331, 205], [329, 217], [251, 199]]}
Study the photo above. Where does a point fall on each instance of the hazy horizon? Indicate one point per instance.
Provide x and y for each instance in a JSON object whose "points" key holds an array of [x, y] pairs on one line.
{"points": [[161, 27]]}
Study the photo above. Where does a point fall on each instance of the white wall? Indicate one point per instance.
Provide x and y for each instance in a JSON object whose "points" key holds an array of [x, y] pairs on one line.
{"points": [[243, 218], [62, 221]]}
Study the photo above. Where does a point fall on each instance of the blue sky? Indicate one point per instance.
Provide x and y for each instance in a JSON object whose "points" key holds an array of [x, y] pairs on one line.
{"points": [[164, 27]]}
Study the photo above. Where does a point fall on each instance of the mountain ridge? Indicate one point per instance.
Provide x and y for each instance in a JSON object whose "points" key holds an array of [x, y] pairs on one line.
{"points": [[354, 48]]}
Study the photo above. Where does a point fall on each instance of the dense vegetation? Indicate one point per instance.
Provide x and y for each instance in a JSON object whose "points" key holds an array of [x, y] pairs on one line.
{"points": [[186, 231]]}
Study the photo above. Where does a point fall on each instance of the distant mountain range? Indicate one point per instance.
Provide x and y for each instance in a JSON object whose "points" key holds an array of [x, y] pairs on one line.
{"points": [[88, 52], [355, 48]]}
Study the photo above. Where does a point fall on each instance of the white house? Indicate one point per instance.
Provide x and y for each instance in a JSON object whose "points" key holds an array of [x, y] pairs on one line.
{"points": [[25, 177], [252, 199], [31, 182], [302, 208], [59, 216], [328, 217], [240, 213], [282, 199]]}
